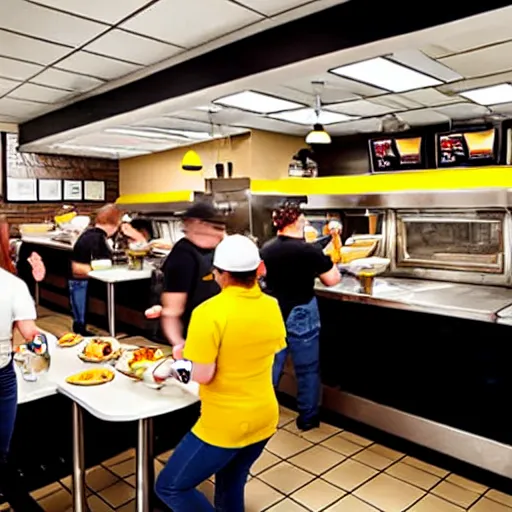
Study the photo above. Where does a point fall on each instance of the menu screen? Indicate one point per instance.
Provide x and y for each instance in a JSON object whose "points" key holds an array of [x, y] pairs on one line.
{"points": [[467, 148], [395, 154]]}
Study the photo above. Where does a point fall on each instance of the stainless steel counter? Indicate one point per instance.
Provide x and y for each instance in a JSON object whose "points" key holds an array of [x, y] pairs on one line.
{"points": [[46, 241], [467, 301]]}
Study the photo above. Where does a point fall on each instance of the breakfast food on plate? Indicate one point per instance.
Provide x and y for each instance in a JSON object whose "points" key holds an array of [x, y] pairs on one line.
{"points": [[70, 340], [144, 356], [92, 377], [100, 350]]}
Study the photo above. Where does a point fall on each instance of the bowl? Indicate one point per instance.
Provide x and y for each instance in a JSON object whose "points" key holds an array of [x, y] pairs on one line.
{"points": [[101, 264]]}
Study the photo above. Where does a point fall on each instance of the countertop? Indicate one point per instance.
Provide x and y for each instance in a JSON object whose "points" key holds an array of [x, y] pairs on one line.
{"points": [[459, 300], [121, 274], [47, 241]]}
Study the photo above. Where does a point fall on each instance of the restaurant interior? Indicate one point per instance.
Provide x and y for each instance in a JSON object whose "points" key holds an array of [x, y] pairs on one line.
{"points": [[397, 127]]}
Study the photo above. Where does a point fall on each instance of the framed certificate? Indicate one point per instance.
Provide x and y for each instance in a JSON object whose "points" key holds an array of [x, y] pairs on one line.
{"points": [[49, 190], [73, 190], [94, 191], [22, 189]]}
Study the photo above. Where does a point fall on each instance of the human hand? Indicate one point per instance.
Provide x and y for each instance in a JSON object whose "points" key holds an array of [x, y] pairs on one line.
{"points": [[177, 351]]}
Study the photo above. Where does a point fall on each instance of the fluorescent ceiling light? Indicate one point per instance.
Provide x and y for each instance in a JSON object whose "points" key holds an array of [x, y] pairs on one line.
{"points": [[383, 73], [307, 116], [100, 149], [146, 134], [493, 95], [257, 102]]}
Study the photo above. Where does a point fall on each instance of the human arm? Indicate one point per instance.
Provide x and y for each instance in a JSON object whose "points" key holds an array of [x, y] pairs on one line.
{"points": [[173, 307], [330, 278], [80, 270], [24, 312], [324, 268]]}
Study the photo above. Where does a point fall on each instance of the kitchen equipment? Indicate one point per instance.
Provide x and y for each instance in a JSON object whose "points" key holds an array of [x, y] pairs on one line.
{"points": [[136, 258], [33, 358]]}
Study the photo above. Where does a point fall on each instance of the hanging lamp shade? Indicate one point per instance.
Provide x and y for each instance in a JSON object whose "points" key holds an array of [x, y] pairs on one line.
{"points": [[191, 161], [318, 135]]}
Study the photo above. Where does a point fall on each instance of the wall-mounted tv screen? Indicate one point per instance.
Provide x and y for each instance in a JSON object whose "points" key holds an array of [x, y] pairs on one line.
{"points": [[468, 147], [396, 154]]}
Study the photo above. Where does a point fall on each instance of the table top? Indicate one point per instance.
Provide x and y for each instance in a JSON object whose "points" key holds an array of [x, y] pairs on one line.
{"points": [[120, 275], [123, 399]]}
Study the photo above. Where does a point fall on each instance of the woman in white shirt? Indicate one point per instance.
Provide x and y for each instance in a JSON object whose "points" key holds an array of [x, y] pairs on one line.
{"points": [[17, 310]]}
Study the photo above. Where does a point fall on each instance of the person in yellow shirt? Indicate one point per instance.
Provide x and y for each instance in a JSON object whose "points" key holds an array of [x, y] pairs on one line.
{"points": [[230, 348]]}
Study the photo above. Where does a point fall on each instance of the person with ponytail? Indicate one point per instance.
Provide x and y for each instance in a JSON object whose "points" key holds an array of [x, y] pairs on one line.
{"points": [[17, 311], [292, 265]]}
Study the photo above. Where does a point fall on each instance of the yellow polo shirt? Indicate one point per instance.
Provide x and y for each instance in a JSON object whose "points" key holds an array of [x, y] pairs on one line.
{"points": [[240, 330]]}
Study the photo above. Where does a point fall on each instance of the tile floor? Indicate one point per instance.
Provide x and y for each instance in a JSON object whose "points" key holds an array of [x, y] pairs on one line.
{"points": [[327, 469]]}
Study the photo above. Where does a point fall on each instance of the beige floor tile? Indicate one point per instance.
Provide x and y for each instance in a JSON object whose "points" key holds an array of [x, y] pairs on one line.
{"points": [[373, 459], [164, 457], [389, 494], [485, 505], [208, 489], [124, 469], [284, 445], [351, 504], [285, 478], [46, 491], [118, 494], [500, 497], [349, 475], [129, 507], [354, 438], [431, 503], [341, 445], [317, 460], [131, 480], [287, 506], [413, 475], [259, 496], [316, 435], [158, 466], [455, 494], [265, 461], [384, 451], [99, 478], [286, 416], [317, 495], [68, 484], [128, 454], [467, 484], [425, 467], [59, 501], [98, 505]]}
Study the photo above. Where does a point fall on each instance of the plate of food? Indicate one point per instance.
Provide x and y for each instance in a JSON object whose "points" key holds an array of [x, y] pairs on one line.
{"points": [[91, 377], [100, 350], [133, 363], [70, 340]]}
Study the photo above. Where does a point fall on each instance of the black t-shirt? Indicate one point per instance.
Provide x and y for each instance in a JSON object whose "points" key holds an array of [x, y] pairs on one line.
{"points": [[188, 269], [292, 266], [91, 245]]}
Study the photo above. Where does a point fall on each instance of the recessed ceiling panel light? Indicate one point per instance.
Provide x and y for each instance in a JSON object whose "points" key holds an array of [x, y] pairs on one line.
{"points": [[257, 102], [493, 95], [307, 116], [383, 73], [147, 134], [101, 149]]}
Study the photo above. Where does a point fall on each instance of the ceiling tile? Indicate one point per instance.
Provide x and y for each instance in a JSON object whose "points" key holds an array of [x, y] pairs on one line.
{"points": [[133, 48], [503, 108], [475, 83], [95, 65], [423, 117], [66, 80], [463, 110], [420, 62], [16, 69], [26, 48], [101, 10], [21, 109], [370, 125], [217, 18], [362, 108], [39, 93], [430, 97], [397, 102], [7, 85], [273, 7], [30, 19], [487, 61]]}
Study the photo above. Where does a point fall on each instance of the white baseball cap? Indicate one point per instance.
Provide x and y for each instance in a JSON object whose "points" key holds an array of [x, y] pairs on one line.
{"points": [[237, 253]]}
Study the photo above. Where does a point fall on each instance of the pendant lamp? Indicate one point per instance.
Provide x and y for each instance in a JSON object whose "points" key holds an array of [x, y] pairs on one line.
{"points": [[318, 135], [191, 161]]}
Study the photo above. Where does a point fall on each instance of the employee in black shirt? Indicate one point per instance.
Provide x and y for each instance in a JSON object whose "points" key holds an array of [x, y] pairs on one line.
{"points": [[91, 245], [292, 265], [188, 278]]}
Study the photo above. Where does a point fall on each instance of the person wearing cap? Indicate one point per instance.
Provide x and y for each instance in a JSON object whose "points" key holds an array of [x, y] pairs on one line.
{"points": [[292, 265], [187, 272], [229, 351]]}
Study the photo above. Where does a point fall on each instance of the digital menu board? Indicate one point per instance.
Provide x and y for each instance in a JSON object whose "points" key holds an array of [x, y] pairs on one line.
{"points": [[396, 154], [467, 148]]}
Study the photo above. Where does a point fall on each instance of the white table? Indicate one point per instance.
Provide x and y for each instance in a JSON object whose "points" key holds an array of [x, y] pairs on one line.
{"points": [[123, 399], [111, 277]]}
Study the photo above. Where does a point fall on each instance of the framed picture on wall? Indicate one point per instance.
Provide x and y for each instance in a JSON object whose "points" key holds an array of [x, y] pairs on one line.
{"points": [[73, 190], [94, 191], [49, 190], [22, 189]]}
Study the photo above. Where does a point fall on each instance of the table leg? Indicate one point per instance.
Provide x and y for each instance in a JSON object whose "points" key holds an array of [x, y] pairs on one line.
{"points": [[36, 293], [145, 468], [111, 304], [79, 500]]}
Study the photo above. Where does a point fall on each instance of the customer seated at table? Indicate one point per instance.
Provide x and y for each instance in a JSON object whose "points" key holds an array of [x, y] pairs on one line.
{"points": [[230, 347], [91, 245], [17, 310]]}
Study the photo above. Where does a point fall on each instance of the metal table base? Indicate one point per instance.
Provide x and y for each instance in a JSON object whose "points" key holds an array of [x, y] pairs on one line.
{"points": [[111, 305], [144, 472]]}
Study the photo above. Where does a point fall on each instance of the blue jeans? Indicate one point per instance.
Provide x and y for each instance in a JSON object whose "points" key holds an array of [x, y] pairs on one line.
{"points": [[193, 462], [8, 405], [78, 299], [303, 340]]}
